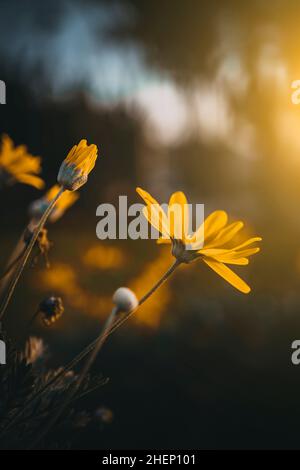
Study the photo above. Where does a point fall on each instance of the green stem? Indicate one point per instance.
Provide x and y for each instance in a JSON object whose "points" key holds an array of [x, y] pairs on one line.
{"points": [[104, 334], [12, 264], [19, 248], [27, 252]]}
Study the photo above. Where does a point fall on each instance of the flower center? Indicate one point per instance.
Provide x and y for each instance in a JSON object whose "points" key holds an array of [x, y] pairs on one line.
{"points": [[181, 253]]}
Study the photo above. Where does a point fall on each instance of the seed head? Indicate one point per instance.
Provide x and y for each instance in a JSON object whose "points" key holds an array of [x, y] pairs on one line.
{"points": [[51, 309]]}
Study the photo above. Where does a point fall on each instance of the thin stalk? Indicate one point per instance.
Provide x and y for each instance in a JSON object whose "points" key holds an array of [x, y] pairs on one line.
{"points": [[107, 330], [120, 322], [79, 397], [90, 347], [27, 252], [19, 247], [12, 264], [77, 385], [32, 319]]}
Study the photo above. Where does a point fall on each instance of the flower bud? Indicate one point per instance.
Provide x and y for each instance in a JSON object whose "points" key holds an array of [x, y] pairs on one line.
{"points": [[74, 170], [51, 309], [125, 299]]}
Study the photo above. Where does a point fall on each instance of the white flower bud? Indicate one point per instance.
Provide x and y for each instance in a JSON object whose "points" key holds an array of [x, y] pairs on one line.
{"points": [[125, 299]]}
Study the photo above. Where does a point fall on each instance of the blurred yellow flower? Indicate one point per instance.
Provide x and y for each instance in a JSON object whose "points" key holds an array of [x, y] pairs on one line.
{"points": [[66, 200], [104, 257], [75, 169], [209, 242], [66, 281], [62, 278], [152, 311], [17, 165]]}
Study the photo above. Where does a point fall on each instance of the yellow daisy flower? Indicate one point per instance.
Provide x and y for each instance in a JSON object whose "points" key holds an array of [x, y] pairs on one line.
{"points": [[75, 169], [209, 242], [72, 174], [17, 165]]}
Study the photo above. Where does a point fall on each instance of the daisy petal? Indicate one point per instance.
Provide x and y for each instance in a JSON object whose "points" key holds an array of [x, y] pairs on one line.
{"points": [[146, 196], [212, 252], [32, 180], [242, 253], [247, 243], [157, 218], [238, 261], [163, 241], [71, 153], [228, 275], [178, 216], [154, 213], [212, 224], [226, 234]]}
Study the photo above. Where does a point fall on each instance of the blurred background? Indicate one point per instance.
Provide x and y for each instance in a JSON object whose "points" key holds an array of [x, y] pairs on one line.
{"points": [[192, 96]]}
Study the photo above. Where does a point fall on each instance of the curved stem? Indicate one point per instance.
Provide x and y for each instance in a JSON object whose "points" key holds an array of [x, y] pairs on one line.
{"points": [[120, 322], [18, 249], [27, 252], [103, 336], [12, 264]]}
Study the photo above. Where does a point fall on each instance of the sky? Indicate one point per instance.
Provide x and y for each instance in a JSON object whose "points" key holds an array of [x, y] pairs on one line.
{"points": [[74, 45]]}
